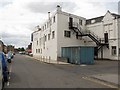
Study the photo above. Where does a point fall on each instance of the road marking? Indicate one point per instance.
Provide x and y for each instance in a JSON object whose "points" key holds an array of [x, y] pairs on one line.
{"points": [[100, 82], [83, 65], [8, 83]]}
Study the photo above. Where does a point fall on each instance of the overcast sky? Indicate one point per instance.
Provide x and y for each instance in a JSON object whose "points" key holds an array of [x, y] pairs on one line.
{"points": [[19, 17]]}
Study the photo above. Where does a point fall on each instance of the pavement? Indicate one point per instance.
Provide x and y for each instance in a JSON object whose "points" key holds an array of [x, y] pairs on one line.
{"points": [[49, 61], [110, 79]]}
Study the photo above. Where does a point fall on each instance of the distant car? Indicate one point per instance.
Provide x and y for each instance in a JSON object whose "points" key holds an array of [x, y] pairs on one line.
{"points": [[30, 54], [21, 52], [3, 70]]}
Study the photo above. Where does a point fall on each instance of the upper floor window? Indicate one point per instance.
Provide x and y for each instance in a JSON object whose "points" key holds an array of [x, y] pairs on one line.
{"points": [[36, 50], [37, 42], [48, 36], [45, 38], [92, 21], [80, 21], [40, 41], [45, 26], [67, 34], [53, 34], [53, 19], [114, 52]]}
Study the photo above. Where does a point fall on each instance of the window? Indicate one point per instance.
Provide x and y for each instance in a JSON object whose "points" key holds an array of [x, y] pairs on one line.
{"points": [[53, 19], [92, 21], [67, 33], [53, 34], [80, 21], [41, 51], [48, 36], [113, 50], [119, 51], [36, 50], [45, 26], [45, 38], [37, 42], [40, 41]]}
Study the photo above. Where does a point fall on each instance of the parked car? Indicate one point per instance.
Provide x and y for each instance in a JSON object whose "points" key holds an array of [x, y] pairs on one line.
{"points": [[4, 71], [30, 54]]}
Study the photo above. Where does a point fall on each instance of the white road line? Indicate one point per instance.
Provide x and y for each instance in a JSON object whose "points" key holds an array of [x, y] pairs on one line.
{"points": [[8, 83], [100, 82]]}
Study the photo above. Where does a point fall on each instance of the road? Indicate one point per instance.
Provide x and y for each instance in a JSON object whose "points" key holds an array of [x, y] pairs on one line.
{"points": [[30, 73]]}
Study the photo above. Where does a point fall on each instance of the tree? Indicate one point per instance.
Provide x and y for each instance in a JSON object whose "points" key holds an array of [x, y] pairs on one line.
{"points": [[21, 49]]}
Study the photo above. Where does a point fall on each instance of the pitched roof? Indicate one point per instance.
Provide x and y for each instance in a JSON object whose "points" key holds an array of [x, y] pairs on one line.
{"points": [[97, 19], [1, 42], [115, 15]]}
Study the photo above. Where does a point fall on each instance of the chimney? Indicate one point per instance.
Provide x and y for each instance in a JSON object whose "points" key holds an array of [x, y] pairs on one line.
{"points": [[59, 8], [49, 15]]}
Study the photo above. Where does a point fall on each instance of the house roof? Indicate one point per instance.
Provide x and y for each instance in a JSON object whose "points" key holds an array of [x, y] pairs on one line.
{"points": [[99, 19], [115, 15], [1, 42]]}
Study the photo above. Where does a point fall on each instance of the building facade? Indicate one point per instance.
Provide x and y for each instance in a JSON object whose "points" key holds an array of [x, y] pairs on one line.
{"points": [[63, 29], [107, 26]]}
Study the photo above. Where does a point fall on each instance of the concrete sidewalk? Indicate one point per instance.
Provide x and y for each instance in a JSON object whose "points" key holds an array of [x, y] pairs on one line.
{"points": [[49, 61], [107, 78]]}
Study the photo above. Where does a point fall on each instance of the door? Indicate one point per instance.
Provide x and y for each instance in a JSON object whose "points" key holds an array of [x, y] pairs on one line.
{"points": [[82, 55], [106, 37], [70, 22], [86, 55]]}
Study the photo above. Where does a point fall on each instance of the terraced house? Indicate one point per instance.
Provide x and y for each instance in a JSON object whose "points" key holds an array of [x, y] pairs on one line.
{"points": [[63, 29]]}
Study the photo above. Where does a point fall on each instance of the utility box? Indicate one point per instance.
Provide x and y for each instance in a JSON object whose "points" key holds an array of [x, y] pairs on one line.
{"points": [[78, 55]]}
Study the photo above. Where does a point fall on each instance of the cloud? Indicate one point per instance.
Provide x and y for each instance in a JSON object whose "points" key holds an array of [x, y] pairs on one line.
{"points": [[4, 3], [43, 7], [18, 18]]}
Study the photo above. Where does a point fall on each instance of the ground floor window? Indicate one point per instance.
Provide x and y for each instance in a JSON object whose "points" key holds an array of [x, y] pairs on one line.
{"points": [[36, 50], [67, 34], [113, 50], [119, 51], [53, 34]]}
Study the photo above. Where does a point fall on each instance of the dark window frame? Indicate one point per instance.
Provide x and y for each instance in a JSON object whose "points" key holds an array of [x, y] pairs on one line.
{"points": [[114, 50], [67, 34], [54, 19], [53, 34]]}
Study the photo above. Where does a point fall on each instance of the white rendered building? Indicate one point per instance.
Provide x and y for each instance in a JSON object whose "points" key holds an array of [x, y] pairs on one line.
{"points": [[107, 26], [63, 29]]}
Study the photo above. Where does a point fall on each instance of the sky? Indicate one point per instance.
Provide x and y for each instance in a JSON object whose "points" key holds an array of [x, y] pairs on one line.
{"points": [[18, 18]]}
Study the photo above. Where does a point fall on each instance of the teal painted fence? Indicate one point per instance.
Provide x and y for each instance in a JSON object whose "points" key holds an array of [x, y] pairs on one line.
{"points": [[78, 55]]}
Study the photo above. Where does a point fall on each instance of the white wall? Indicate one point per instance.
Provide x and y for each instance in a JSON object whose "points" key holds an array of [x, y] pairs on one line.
{"points": [[62, 41], [53, 46], [109, 25], [50, 50]]}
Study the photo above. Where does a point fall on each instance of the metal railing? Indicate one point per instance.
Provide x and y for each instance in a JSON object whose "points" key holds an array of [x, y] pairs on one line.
{"points": [[76, 25]]}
